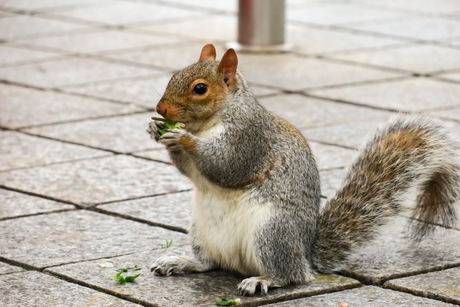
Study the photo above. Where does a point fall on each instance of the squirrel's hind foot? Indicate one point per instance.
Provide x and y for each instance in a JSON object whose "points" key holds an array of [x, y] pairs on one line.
{"points": [[176, 265], [249, 286]]}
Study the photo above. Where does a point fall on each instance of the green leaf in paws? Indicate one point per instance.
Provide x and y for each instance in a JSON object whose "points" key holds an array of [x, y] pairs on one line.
{"points": [[226, 302], [169, 124]]}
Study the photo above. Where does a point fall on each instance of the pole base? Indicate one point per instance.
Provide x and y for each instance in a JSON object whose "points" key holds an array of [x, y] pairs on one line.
{"points": [[283, 48]]}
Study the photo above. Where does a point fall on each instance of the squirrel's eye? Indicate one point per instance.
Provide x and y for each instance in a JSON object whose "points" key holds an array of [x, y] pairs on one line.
{"points": [[200, 89]]}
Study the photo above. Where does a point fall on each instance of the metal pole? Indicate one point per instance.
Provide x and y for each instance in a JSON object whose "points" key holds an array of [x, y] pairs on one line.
{"points": [[261, 26]]}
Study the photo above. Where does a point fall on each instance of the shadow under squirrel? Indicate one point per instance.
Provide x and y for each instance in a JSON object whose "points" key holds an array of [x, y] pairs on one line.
{"points": [[256, 205]]}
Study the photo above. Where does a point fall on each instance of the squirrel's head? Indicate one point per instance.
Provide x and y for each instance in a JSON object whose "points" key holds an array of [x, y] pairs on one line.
{"points": [[198, 92]]}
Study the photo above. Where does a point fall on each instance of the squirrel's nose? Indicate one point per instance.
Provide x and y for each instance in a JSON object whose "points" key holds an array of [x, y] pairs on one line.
{"points": [[161, 109]]}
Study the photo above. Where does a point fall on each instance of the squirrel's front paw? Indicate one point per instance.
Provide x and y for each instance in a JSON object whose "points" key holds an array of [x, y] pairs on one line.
{"points": [[166, 266], [154, 129], [177, 139]]}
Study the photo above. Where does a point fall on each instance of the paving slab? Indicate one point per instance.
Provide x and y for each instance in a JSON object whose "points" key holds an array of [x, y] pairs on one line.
{"points": [[318, 41], [227, 6], [217, 28], [331, 180], [454, 76], [59, 238], [43, 5], [351, 135], [392, 254], [8, 269], [170, 57], [364, 296], [339, 13], [444, 285], [425, 6], [303, 112], [13, 55], [421, 59], [452, 114], [411, 95], [330, 157], [300, 73], [145, 92], [71, 71], [24, 107], [159, 154], [16, 204], [23, 26], [128, 12], [38, 289], [415, 28], [171, 209], [18, 150], [125, 134], [98, 180], [189, 290], [98, 41]]}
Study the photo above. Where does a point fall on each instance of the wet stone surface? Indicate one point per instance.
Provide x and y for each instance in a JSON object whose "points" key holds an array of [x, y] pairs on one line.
{"points": [[194, 289]]}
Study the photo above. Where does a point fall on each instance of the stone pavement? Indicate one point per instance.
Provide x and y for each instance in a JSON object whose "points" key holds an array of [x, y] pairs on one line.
{"points": [[84, 191]]}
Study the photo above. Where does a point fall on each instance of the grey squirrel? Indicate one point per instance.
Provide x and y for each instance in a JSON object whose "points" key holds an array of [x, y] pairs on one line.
{"points": [[256, 205]]}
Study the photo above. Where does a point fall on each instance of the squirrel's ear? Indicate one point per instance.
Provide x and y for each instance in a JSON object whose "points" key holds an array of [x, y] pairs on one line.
{"points": [[208, 53], [228, 65]]}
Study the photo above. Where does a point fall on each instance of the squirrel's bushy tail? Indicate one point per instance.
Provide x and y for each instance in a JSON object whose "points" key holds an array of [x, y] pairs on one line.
{"points": [[411, 154]]}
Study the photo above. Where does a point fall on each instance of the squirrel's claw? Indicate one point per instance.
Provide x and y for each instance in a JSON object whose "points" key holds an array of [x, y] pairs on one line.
{"points": [[154, 129], [249, 286]]}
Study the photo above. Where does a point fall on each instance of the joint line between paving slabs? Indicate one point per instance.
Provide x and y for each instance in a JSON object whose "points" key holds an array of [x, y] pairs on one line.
{"points": [[422, 293], [139, 220], [100, 289]]}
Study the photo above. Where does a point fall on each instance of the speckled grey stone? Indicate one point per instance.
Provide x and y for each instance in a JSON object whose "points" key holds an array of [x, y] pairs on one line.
{"points": [[413, 95], [173, 209], [14, 55], [331, 180], [339, 13], [117, 13], [38, 289], [392, 254], [8, 269], [218, 28], [45, 5], [304, 111], [300, 73], [444, 7], [328, 157], [415, 27], [59, 238], [98, 180], [159, 154], [353, 135], [187, 290], [443, 284], [70, 71], [17, 204], [23, 107], [448, 114], [324, 40], [415, 58], [170, 57], [97, 41], [19, 150], [15, 27], [455, 76], [144, 91], [365, 296], [125, 133]]}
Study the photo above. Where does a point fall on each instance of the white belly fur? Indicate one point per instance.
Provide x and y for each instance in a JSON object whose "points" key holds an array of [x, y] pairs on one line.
{"points": [[225, 222]]}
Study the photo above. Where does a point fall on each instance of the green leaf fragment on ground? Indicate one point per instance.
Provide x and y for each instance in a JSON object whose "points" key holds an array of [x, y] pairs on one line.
{"points": [[226, 302]]}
